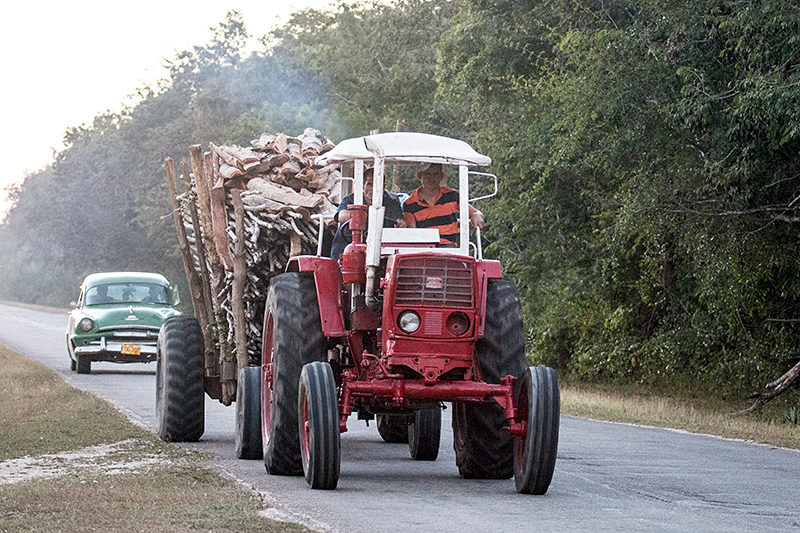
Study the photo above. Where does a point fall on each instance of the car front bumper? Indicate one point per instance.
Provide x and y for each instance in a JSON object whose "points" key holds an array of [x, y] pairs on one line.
{"points": [[118, 352]]}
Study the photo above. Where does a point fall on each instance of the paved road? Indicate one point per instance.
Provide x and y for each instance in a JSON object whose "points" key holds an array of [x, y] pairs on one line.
{"points": [[609, 477]]}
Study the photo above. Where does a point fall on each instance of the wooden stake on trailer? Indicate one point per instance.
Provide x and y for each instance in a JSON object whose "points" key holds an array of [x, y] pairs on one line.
{"points": [[209, 346], [195, 283], [202, 174], [227, 369], [239, 278]]}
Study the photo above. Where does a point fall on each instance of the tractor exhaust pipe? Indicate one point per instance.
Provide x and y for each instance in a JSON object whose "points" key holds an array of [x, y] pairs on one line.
{"points": [[369, 291]]}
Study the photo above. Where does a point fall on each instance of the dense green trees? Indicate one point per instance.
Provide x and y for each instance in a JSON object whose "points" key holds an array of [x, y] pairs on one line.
{"points": [[648, 154]]}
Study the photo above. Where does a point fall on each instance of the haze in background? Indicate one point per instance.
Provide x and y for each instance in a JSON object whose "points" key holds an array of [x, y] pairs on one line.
{"points": [[65, 62]]}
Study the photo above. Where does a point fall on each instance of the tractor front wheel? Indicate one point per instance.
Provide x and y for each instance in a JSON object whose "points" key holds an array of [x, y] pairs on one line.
{"points": [[424, 434], [318, 426], [248, 413], [538, 402]]}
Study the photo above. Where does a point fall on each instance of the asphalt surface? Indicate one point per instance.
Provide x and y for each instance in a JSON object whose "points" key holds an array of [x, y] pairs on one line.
{"points": [[608, 477]]}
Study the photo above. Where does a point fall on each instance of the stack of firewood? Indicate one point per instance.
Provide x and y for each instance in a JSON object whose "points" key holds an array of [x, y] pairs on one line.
{"points": [[281, 190], [284, 197]]}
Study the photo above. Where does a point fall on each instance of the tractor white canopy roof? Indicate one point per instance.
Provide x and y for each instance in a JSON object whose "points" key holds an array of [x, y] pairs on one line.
{"points": [[405, 147]]}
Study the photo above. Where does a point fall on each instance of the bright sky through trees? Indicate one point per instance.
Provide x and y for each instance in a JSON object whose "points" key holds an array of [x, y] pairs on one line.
{"points": [[66, 62]]}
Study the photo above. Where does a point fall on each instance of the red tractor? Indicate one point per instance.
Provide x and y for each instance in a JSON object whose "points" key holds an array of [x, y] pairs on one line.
{"points": [[394, 328]]}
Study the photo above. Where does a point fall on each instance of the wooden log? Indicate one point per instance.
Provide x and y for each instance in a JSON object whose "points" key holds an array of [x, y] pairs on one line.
{"points": [[777, 387], [220, 223], [282, 194], [209, 346], [264, 141], [237, 288], [227, 374], [193, 278], [227, 172], [276, 160], [243, 156], [281, 144]]}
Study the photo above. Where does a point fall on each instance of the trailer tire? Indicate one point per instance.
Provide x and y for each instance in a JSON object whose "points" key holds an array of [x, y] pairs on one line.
{"points": [[424, 434], [393, 428], [248, 413], [318, 426], [180, 396], [484, 447], [292, 337], [539, 405]]}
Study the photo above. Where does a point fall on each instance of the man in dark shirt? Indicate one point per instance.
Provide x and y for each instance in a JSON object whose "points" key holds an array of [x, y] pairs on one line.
{"points": [[393, 216], [435, 206]]}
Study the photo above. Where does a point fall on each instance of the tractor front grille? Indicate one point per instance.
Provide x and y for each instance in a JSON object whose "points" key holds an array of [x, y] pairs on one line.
{"points": [[435, 282]]}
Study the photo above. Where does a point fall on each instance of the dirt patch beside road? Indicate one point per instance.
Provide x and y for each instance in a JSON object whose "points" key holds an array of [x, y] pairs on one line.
{"points": [[71, 462]]}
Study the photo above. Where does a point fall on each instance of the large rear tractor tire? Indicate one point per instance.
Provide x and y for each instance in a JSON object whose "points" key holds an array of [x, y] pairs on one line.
{"points": [[292, 337], [424, 434], [180, 396], [393, 428], [484, 447], [248, 413], [318, 425], [539, 405]]}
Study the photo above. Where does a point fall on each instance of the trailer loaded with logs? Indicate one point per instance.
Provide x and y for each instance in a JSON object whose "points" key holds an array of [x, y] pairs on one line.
{"points": [[392, 331]]}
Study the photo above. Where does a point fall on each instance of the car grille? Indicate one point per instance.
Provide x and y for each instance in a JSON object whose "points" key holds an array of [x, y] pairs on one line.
{"points": [[136, 334], [434, 282]]}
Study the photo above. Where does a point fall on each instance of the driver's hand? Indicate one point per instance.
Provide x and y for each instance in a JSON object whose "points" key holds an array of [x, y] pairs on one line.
{"points": [[401, 223], [476, 219]]}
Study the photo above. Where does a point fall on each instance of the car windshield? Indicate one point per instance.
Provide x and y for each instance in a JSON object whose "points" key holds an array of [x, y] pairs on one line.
{"points": [[112, 293]]}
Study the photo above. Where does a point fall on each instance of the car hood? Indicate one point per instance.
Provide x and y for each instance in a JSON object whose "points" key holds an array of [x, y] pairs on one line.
{"points": [[131, 315]]}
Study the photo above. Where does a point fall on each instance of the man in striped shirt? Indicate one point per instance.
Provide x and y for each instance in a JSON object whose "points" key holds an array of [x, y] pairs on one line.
{"points": [[435, 206]]}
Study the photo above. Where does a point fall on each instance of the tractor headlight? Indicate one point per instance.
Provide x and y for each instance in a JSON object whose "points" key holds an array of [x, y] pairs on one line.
{"points": [[86, 324], [408, 321]]}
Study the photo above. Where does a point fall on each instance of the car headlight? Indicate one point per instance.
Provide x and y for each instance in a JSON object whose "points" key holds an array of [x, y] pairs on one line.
{"points": [[408, 321], [86, 324]]}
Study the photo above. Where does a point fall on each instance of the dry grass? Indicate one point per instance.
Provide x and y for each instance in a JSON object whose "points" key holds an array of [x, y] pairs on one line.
{"points": [[679, 410], [126, 480]]}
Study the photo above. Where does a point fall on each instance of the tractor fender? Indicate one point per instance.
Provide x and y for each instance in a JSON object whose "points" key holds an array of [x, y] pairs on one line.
{"points": [[485, 270], [328, 281]]}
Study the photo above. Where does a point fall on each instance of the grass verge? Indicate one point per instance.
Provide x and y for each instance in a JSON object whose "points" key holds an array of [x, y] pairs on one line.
{"points": [[71, 462], [681, 409]]}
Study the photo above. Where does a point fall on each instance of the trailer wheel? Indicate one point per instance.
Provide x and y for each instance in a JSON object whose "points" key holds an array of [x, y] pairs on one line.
{"points": [[248, 413], [292, 338], [318, 425], [484, 448], [180, 396], [393, 428], [424, 434], [84, 364], [538, 402]]}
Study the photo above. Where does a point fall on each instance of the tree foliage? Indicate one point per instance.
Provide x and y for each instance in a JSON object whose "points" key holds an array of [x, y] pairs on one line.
{"points": [[648, 152]]}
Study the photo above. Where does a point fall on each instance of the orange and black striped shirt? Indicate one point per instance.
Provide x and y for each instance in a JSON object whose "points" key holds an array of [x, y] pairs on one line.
{"points": [[442, 215]]}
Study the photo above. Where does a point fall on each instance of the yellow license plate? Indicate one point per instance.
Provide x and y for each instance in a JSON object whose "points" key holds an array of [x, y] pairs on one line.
{"points": [[131, 349]]}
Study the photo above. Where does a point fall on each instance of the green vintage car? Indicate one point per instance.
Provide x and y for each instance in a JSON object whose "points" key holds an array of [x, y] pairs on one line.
{"points": [[117, 318]]}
